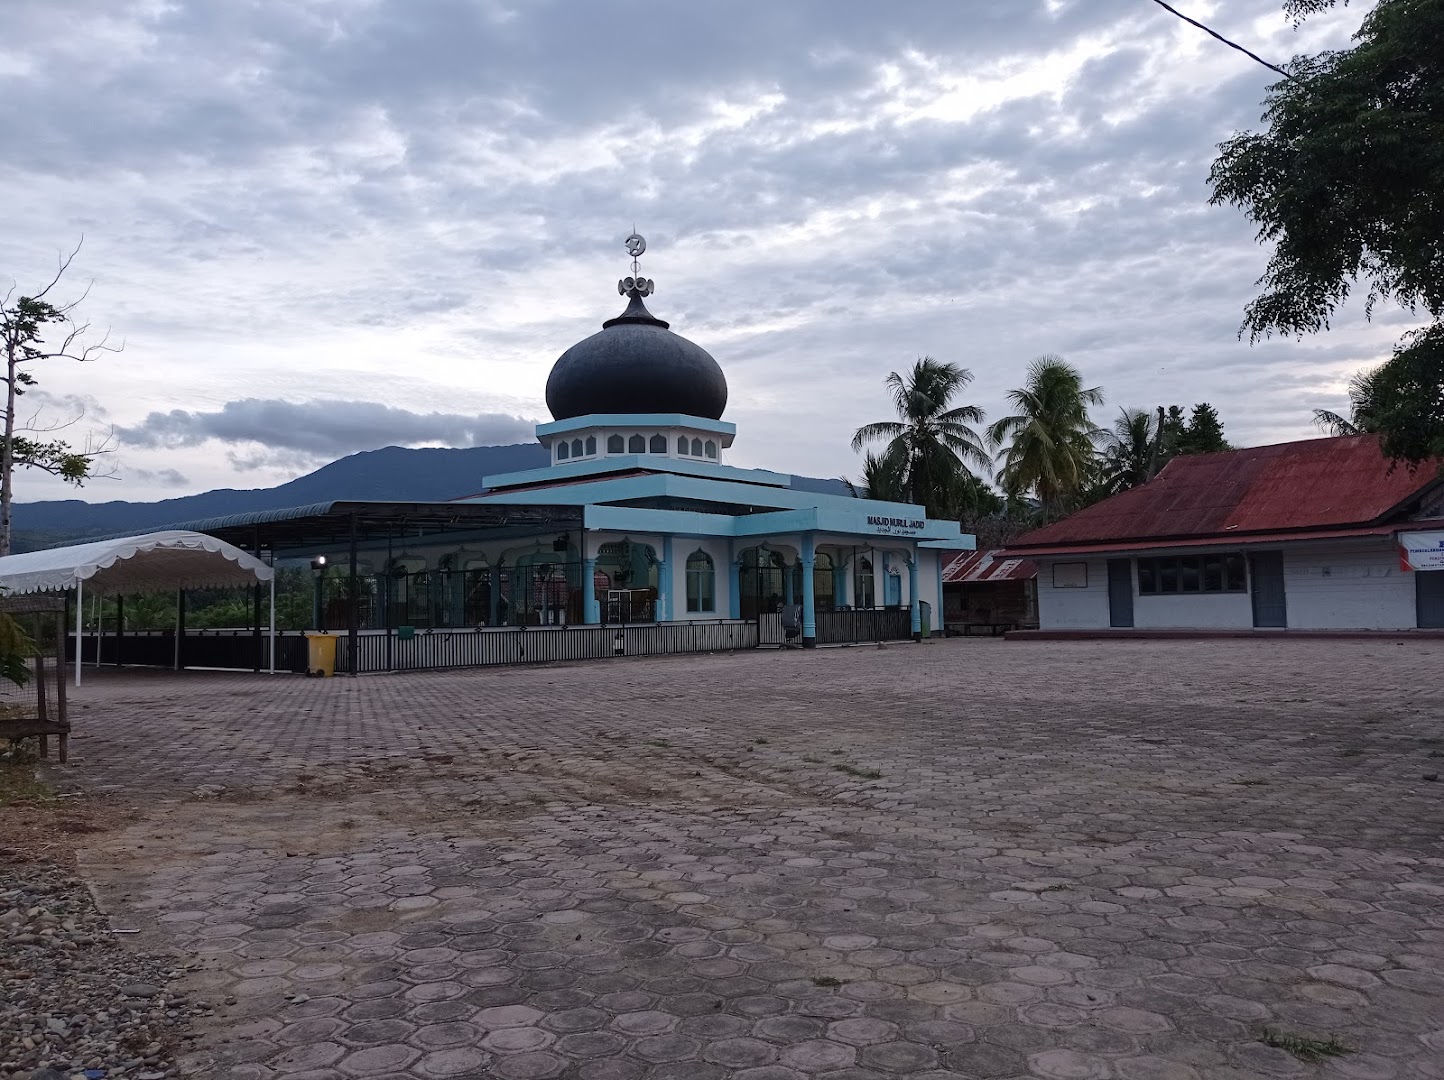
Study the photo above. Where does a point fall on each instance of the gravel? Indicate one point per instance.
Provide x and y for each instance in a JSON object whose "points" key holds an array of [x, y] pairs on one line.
{"points": [[74, 1002]]}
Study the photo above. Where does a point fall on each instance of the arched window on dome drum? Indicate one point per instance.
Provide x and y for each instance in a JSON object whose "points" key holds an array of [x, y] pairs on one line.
{"points": [[696, 447], [576, 448], [615, 444], [701, 582], [563, 451], [636, 445], [711, 449], [681, 444], [591, 445], [659, 444]]}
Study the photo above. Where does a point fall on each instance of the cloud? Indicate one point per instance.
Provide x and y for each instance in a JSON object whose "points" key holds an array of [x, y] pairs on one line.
{"points": [[318, 429], [169, 478], [285, 198]]}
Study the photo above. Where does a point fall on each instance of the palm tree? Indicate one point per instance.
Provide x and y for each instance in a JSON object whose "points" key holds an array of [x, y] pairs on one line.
{"points": [[1046, 447], [882, 478], [930, 444], [1132, 452], [1363, 407]]}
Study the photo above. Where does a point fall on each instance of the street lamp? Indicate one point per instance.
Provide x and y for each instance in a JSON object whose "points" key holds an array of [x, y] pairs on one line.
{"points": [[318, 568]]}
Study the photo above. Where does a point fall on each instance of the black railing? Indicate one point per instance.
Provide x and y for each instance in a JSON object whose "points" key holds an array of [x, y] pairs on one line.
{"points": [[235, 649], [486, 647]]}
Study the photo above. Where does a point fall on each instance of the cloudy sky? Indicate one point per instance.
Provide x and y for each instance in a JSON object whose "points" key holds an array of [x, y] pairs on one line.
{"points": [[323, 226]]}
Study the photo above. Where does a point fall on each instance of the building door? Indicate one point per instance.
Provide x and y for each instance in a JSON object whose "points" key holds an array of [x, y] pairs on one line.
{"points": [[1429, 598], [1266, 579], [894, 589], [1120, 592]]}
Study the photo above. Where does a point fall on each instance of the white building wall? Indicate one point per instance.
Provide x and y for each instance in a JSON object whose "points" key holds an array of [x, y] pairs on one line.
{"points": [[682, 547], [1071, 608], [1204, 611], [1348, 586]]}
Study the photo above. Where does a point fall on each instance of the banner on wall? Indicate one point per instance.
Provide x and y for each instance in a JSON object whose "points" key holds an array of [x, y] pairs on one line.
{"points": [[1421, 551]]}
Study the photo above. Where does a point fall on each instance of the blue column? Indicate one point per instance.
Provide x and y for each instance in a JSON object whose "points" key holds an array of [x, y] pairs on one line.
{"points": [[788, 575], [494, 596], [664, 582], [734, 581], [591, 608], [917, 610], [839, 587], [941, 626], [809, 599]]}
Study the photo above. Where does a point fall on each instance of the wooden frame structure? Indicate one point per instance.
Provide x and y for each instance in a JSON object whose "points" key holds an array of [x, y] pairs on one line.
{"points": [[49, 715]]}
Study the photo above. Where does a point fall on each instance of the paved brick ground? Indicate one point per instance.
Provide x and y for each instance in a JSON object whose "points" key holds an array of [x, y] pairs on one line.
{"points": [[974, 859]]}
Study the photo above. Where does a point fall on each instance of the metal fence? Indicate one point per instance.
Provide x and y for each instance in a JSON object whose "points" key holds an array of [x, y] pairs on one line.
{"points": [[235, 649], [380, 650], [485, 647], [847, 627]]}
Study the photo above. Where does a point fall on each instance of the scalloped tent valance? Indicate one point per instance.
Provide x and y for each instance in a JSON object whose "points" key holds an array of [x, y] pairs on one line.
{"points": [[159, 561]]}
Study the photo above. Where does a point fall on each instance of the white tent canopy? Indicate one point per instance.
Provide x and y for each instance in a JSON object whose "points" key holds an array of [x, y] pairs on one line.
{"points": [[158, 561], [134, 564]]}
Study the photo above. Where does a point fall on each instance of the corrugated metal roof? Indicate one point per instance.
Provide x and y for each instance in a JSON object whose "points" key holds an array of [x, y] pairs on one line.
{"points": [[1315, 484], [978, 566], [1145, 546]]}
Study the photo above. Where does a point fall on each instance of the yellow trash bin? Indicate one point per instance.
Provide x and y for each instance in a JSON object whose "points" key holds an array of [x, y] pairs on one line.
{"points": [[320, 655]]}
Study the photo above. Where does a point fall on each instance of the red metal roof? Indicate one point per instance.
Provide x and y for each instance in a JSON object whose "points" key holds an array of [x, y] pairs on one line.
{"points": [[973, 566], [1297, 487]]}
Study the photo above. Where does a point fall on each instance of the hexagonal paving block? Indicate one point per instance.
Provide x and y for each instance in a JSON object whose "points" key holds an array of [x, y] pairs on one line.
{"points": [[539, 1065], [440, 1036], [390, 1058], [502, 1016], [740, 1053], [648, 1022], [1069, 1065], [516, 1040], [455, 1061], [664, 1048], [906, 1058], [818, 1055], [861, 1031]]}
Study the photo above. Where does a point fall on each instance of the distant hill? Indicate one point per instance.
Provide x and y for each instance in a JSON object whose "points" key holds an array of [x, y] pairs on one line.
{"points": [[395, 472]]}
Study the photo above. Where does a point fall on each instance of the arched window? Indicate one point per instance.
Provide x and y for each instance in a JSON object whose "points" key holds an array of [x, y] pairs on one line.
{"points": [[681, 444], [659, 444], [615, 444], [863, 591], [636, 445], [711, 449], [563, 451], [701, 582], [696, 447], [591, 445], [576, 448]]}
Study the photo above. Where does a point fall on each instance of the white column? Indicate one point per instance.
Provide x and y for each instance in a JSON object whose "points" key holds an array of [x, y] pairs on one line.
{"points": [[79, 622]]}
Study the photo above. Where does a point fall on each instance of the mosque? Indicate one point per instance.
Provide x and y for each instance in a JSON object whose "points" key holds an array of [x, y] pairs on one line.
{"points": [[671, 532]]}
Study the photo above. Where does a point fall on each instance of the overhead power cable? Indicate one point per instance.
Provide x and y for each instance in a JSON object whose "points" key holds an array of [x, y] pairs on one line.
{"points": [[1220, 37]]}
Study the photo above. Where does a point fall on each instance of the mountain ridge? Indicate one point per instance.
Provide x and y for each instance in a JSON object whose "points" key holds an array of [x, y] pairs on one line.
{"points": [[428, 474]]}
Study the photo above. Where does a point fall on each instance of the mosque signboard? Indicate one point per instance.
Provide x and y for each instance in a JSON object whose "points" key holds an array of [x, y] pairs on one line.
{"points": [[896, 526]]}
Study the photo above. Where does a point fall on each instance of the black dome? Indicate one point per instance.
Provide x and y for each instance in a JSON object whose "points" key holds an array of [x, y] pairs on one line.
{"points": [[636, 365]]}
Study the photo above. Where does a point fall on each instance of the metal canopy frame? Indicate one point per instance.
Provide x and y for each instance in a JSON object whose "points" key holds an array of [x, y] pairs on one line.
{"points": [[297, 530]]}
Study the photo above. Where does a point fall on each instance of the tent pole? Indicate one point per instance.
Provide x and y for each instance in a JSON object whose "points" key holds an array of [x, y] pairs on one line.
{"points": [[79, 624], [179, 628], [272, 669]]}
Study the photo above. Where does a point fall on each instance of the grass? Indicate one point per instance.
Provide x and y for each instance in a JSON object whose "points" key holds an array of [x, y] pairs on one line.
{"points": [[853, 770], [658, 742], [1055, 888], [825, 980], [760, 742], [811, 760], [1305, 1047], [19, 785]]}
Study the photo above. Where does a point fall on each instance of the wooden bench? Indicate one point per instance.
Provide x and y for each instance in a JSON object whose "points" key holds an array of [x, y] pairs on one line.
{"points": [[27, 727]]}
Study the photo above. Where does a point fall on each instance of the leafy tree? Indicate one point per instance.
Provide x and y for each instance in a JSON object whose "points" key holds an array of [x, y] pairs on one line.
{"points": [[1203, 433], [1347, 183], [24, 323], [1046, 447], [932, 442]]}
